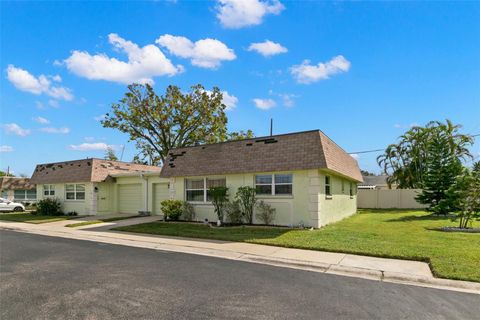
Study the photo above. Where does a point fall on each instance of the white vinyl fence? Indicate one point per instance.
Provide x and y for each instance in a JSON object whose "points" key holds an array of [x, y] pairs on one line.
{"points": [[388, 199]]}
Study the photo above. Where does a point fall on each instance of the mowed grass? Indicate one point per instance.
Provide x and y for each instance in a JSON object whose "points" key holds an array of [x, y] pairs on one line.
{"points": [[198, 230], [389, 233], [31, 218], [89, 222]]}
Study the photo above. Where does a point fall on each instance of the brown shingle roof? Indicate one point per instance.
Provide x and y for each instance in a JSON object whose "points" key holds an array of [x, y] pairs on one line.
{"points": [[13, 183], [85, 170], [294, 151]]}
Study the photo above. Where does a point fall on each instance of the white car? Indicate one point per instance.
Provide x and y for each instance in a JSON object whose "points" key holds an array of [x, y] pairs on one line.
{"points": [[7, 205]]}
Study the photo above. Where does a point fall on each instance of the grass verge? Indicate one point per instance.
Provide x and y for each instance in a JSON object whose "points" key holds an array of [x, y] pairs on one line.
{"points": [[397, 234]]}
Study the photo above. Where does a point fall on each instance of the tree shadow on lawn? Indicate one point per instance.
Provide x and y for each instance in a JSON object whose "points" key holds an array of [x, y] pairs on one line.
{"points": [[201, 231], [388, 211], [430, 217]]}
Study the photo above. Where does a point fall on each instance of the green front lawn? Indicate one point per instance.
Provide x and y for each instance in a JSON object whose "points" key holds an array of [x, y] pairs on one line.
{"points": [[89, 222], [382, 233], [30, 218]]}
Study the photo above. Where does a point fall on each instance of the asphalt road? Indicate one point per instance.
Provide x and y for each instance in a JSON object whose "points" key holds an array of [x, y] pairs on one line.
{"points": [[53, 278]]}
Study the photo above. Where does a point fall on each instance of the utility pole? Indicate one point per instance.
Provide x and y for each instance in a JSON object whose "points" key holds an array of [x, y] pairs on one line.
{"points": [[271, 126]]}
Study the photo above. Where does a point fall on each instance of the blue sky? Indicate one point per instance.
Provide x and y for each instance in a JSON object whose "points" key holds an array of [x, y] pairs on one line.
{"points": [[361, 72]]}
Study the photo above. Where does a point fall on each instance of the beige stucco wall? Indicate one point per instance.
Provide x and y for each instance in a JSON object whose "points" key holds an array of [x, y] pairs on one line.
{"points": [[389, 199], [306, 206], [340, 204], [82, 207], [290, 210]]}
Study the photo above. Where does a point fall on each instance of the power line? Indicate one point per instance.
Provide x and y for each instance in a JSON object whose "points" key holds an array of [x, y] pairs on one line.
{"points": [[367, 151], [378, 150]]}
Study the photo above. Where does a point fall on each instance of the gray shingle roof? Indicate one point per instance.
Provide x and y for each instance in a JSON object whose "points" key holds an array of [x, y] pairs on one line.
{"points": [[294, 151], [380, 180], [85, 170], [13, 183]]}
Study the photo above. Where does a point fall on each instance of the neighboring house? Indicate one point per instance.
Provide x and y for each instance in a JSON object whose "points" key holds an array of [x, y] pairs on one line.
{"points": [[18, 189], [305, 176], [89, 187], [376, 182]]}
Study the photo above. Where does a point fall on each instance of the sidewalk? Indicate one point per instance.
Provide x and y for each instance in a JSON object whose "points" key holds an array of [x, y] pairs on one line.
{"points": [[380, 269]]}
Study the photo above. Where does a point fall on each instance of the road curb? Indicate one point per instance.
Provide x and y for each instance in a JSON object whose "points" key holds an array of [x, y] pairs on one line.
{"points": [[377, 275]]}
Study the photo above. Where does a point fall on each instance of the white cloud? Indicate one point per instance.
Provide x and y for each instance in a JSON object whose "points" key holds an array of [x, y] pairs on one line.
{"points": [[63, 130], [264, 104], [57, 78], [5, 148], [25, 81], [229, 100], [96, 146], [307, 73], [355, 156], [100, 117], [288, 99], [53, 103], [237, 14], [13, 128], [405, 126], [89, 139], [143, 63], [205, 53], [39, 105], [41, 120], [267, 48]]}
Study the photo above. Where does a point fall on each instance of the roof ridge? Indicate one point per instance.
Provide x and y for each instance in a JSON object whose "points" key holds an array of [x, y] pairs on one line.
{"points": [[98, 159], [247, 139]]}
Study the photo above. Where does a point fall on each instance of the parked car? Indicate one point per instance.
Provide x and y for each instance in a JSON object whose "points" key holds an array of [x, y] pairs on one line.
{"points": [[7, 205]]}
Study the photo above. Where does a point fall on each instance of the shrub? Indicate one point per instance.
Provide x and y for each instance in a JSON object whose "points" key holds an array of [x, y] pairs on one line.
{"points": [[49, 207], [246, 198], [233, 212], [72, 213], [172, 209], [219, 196], [265, 213], [188, 211], [465, 195]]}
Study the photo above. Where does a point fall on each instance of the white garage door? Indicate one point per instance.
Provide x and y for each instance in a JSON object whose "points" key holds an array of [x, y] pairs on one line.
{"points": [[160, 193], [130, 198]]}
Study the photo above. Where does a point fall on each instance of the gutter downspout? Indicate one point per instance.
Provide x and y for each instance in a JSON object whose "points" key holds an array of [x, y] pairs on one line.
{"points": [[145, 190]]}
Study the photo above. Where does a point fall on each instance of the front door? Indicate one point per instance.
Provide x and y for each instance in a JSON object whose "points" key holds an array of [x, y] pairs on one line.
{"points": [[103, 198]]}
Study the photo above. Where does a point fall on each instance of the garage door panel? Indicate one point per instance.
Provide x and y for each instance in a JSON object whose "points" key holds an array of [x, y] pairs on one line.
{"points": [[160, 193], [130, 198]]}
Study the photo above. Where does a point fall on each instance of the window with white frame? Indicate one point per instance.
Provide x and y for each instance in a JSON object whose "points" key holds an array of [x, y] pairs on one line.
{"points": [[328, 187], [196, 189], [75, 192], [25, 194], [48, 190], [274, 184]]}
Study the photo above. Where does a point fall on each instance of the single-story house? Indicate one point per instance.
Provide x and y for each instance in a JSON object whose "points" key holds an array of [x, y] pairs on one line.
{"points": [[305, 176], [375, 183], [18, 189], [89, 186]]}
